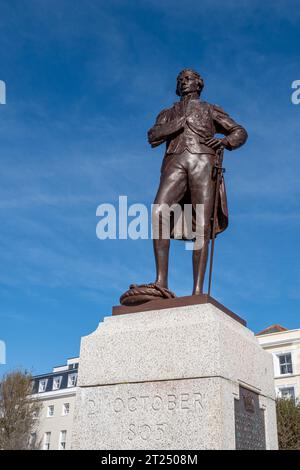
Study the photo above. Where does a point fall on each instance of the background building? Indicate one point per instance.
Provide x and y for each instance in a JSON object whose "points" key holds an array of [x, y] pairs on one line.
{"points": [[284, 345], [57, 391]]}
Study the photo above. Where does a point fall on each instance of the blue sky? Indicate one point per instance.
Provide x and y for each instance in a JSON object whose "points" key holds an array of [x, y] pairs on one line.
{"points": [[85, 81]]}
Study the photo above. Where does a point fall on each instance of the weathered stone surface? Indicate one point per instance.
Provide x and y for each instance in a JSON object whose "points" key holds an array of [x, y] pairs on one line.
{"points": [[169, 379], [178, 414]]}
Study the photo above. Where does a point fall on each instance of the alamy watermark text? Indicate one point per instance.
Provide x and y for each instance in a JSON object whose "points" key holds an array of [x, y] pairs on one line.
{"points": [[2, 92], [2, 352], [295, 97]]}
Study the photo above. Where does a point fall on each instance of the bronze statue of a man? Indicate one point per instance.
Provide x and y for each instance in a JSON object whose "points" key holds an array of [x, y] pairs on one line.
{"points": [[188, 128]]}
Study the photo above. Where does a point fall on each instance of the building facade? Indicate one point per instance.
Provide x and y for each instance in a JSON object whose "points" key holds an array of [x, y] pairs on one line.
{"points": [[284, 345], [57, 392]]}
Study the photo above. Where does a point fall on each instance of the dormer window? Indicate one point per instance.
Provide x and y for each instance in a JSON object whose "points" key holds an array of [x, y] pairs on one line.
{"points": [[42, 385], [72, 380], [57, 382]]}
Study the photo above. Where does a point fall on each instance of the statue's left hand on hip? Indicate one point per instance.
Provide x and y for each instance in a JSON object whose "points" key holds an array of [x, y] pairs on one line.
{"points": [[216, 143]]}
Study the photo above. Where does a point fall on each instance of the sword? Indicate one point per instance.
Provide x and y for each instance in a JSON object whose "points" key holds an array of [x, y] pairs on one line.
{"points": [[219, 170]]}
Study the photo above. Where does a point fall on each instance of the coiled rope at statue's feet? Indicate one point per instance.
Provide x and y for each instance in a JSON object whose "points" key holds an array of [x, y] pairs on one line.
{"points": [[138, 294]]}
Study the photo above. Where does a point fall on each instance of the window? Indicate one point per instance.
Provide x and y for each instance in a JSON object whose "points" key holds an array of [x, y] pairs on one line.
{"points": [[56, 383], [32, 440], [42, 385], [50, 411], [47, 437], [72, 380], [285, 363], [66, 409], [287, 392], [62, 440]]}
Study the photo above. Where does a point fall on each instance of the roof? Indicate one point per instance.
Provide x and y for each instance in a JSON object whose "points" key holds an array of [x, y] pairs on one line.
{"points": [[272, 329], [64, 384]]}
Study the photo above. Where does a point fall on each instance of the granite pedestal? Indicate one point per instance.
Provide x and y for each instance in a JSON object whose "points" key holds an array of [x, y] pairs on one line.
{"points": [[182, 377]]}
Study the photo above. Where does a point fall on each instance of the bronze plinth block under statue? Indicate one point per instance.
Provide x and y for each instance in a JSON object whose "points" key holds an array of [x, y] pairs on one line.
{"points": [[191, 173]]}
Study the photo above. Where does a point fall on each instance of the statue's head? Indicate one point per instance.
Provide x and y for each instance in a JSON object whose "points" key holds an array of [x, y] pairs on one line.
{"points": [[189, 81]]}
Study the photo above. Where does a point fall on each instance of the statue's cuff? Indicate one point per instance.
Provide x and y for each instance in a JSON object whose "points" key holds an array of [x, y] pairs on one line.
{"points": [[226, 143]]}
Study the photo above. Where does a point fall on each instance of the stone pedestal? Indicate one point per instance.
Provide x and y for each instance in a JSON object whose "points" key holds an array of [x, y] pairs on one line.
{"points": [[188, 377]]}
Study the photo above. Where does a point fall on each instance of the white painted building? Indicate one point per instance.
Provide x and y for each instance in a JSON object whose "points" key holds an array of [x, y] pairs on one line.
{"points": [[284, 345], [57, 391]]}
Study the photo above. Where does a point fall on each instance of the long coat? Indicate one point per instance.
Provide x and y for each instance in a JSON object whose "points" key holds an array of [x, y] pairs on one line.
{"points": [[186, 126]]}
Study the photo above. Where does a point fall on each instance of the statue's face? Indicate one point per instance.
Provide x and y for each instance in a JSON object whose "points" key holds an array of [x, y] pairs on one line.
{"points": [[188, 83]]}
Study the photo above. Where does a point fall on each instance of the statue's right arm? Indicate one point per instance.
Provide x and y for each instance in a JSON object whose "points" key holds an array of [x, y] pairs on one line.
{"points": [[163, 128]]}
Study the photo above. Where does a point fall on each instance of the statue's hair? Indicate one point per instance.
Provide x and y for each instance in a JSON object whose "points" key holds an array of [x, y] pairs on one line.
{"points": [[196, 74]]}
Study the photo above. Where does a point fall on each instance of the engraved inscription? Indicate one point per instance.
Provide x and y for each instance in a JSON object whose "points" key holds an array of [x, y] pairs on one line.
{"points": [[145, 412], [154, 405], [249, 422], [169, 402], [146, 432]]}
